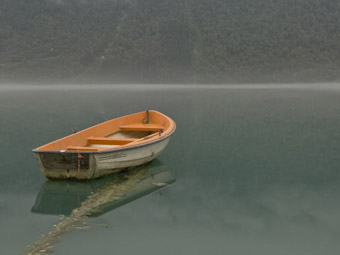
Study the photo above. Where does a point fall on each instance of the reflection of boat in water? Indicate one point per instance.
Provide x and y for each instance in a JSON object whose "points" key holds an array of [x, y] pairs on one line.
{"points": [[61, 197], [93, 198]]}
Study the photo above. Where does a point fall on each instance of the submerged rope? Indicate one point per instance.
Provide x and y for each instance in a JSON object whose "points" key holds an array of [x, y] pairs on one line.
{"points": [[77, 220]]}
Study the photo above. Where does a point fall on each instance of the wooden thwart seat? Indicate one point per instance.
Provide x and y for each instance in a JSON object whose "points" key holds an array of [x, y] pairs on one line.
{"points": [[118, 141], [109, 141], [142, 127], [82, 148]]}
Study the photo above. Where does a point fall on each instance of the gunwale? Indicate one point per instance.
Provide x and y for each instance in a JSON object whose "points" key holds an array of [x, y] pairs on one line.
{"points": [[60, 145]]}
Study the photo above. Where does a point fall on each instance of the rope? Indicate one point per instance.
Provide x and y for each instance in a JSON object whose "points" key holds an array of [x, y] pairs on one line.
{"points": [[79, 158]]}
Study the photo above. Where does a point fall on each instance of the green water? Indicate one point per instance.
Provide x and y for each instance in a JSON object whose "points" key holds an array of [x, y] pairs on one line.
{"points": [[256, 169]]}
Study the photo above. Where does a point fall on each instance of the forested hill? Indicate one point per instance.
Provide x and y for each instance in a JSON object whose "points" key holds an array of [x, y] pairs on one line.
{"points": [[170, 41]]}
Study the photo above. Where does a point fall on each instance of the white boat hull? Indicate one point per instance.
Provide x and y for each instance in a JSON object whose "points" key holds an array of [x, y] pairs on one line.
{"points": [[90, 165]]}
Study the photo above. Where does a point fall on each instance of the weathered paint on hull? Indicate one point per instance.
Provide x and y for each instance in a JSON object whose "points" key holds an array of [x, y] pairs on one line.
{"points": [[67, 165]]}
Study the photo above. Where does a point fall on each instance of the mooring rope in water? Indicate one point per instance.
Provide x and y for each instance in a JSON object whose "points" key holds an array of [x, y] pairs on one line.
{"points": [[77, 220]]}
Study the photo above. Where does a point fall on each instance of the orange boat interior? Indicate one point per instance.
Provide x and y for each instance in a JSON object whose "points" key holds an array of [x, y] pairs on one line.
{"points": [[126, 131]]}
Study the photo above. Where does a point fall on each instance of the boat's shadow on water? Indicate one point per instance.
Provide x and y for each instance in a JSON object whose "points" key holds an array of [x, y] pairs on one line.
{"points": [[80, 200]]}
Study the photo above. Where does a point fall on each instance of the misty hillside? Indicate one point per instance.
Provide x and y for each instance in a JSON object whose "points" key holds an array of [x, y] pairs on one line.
{"points": [[170, 40]]}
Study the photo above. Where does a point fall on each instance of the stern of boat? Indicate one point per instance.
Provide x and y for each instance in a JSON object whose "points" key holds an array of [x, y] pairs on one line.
{"points": [[66, 165]]}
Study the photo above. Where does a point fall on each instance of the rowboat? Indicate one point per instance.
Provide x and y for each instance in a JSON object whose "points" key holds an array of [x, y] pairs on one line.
{"points": [[108, 147]]}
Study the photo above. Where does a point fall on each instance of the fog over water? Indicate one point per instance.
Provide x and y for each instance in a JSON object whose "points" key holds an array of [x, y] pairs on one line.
{"points": [[256, 168]]}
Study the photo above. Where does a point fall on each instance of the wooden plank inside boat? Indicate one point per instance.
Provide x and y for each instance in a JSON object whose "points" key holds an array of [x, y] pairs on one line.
{"points": [[142, 127], [109, 141], [82, 148]]}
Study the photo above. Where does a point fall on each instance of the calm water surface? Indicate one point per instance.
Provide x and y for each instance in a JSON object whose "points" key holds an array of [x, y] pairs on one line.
{"points": [[256, 169]]}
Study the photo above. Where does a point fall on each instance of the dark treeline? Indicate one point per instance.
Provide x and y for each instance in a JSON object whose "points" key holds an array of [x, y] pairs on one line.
{"points": [[175, 41]]}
